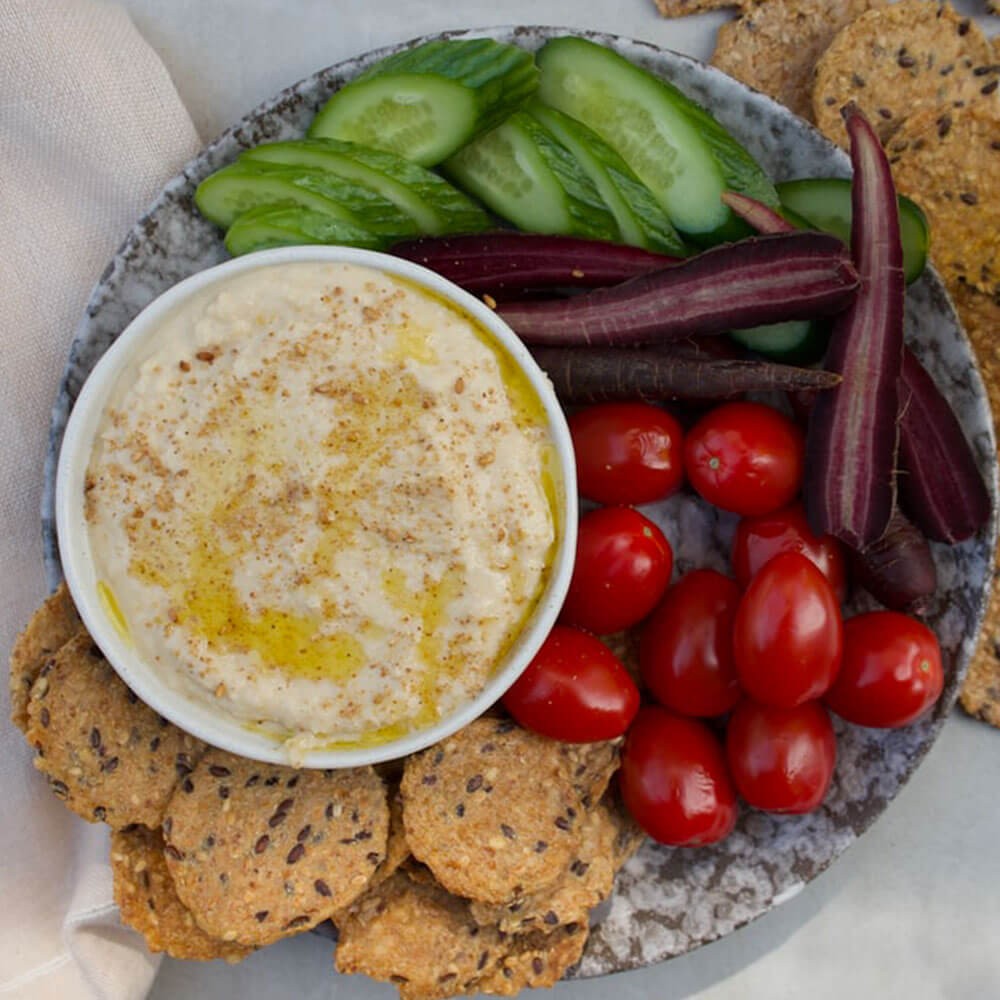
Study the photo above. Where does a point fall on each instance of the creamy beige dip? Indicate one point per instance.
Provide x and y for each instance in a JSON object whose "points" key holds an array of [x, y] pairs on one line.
{"points": [[324, 503]]}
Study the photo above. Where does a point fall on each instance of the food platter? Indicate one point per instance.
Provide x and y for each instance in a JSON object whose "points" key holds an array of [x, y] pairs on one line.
{"points": [[666, 901]]}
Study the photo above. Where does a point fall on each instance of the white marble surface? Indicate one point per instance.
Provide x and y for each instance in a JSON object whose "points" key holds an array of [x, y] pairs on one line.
{"points": [[913, 910]]}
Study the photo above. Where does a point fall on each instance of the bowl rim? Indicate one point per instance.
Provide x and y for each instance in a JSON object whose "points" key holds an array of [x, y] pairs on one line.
{"points": [[80, 573]]}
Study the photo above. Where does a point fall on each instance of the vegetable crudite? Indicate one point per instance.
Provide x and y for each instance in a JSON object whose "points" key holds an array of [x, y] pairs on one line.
{"points": [[853, 500], [768, 279]]}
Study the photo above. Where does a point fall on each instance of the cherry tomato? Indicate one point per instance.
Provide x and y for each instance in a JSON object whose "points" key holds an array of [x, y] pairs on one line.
{"points": [[627, 453], [623, 566], [760, 538], [575, 689], [781, 759], [686, 648], [674, 779], [745, 457], [788, 635], [891, 672]]}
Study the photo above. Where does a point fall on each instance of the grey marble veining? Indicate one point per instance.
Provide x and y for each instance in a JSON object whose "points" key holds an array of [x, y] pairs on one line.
{"points": [[666, 901]]}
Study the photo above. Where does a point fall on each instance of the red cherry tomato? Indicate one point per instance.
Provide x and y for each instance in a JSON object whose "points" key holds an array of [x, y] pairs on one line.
{"points": [[760, 538], [575, 689], [623, 566], [686, 648], [781, 759], [745, 457], [674, 779], [788, 635], [627, 453], [891, 672]]}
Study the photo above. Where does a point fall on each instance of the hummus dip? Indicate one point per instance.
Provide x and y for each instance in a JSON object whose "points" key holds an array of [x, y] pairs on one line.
{"points": [[325, 503]]}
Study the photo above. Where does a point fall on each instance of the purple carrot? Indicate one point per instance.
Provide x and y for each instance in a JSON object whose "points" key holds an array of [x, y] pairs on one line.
{"points": [[898, 568], [605, 374], [756, 214], [506, 262], [766, 279], [851, 442], [939, 483]]}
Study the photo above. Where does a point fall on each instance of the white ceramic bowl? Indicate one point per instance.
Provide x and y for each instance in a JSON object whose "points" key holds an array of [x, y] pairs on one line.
{"points": [[197, 716]]}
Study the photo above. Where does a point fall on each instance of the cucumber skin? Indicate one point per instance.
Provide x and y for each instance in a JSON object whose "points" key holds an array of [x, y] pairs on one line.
{"points": [[290, 225], [798, 196], [807, 349], [736, 167], [351, 202], [500, 78], [587, 214], [646, 214], [448, 210]]}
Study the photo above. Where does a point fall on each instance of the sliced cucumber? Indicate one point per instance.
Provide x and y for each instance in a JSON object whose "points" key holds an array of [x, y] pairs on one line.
{"points": [[799, 341], [241, 186], [825, 203], [427, 102], [674, 147], [436, 206], [521, 172], [291, 225], [640, 217]]}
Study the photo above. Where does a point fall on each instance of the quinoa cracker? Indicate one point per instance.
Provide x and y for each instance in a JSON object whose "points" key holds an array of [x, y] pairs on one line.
{"points": [[980, 694], [591, 767], [895, 60], [418, 936], [261, 851], [586, 882], [106, 754], [52, 625], [492, 811], [948, 161], [773, 46], [536, 960], [148, 901], [682, 8]]}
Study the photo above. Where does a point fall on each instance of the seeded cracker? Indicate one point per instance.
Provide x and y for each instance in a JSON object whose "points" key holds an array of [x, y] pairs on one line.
{"points": [[492, 811], [773, 47], [896, 60], [147, 899], [259, 851], [980, 315], [682, 8], [585, 883], [107, 755], [54, 623], [417, 936], [948, 161], [591, 766], [536, 960]]}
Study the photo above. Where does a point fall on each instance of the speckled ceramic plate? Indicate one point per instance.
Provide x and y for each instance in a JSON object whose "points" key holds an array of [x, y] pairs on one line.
{"points": [[666, 901]]}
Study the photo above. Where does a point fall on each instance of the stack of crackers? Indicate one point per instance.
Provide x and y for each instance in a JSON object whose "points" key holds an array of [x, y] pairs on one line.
{"points": [[470, 867], [928, 79]]}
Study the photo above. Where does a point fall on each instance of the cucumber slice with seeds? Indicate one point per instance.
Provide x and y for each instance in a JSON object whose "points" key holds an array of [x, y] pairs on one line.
{"points": [[241, 186], [674, 147], [525, 176], [427, 102], [641, 220], [435, 206], [825, 203], [292, 225]]}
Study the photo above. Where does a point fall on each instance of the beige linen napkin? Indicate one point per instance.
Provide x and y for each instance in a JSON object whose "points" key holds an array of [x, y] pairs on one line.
{"points": [[90, 129]]}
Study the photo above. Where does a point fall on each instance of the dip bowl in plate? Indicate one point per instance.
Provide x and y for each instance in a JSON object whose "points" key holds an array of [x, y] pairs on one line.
{"points": [[317, 505]]}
